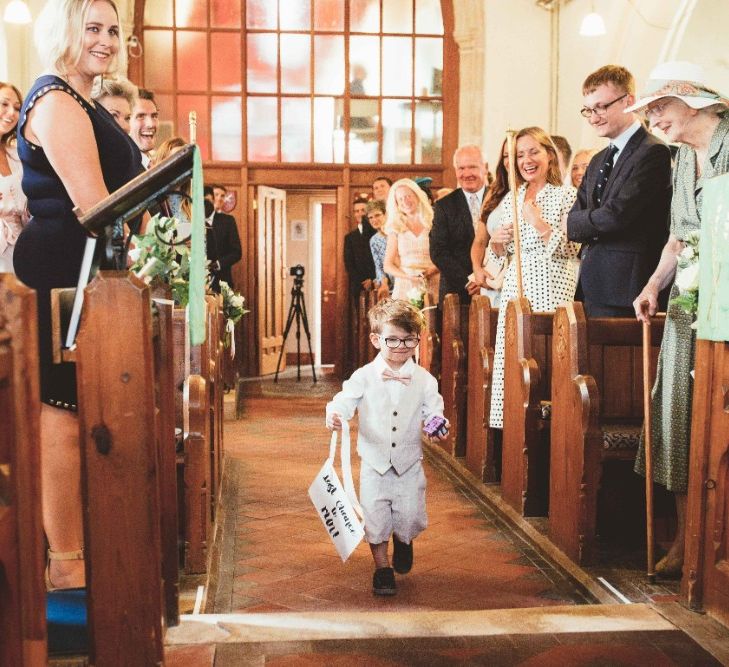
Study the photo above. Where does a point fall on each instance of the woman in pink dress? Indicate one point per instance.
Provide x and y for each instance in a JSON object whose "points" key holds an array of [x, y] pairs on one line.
{"points": [[12, 199], [407, 258]]}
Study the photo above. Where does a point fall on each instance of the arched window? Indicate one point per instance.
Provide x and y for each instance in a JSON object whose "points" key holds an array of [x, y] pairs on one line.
{"points": [[301, 81]]}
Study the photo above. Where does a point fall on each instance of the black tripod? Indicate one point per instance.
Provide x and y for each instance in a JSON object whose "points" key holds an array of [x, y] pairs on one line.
{"points": [[297, 310]]}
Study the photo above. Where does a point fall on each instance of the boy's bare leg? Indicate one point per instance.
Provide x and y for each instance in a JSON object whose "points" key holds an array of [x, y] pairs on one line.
{"points": [[379, 553]]}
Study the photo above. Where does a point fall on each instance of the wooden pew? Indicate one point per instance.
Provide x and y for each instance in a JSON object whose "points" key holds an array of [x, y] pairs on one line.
{"points": [[454, 381], [597, 412], [482, 321], [429, 348], [22, 548], [525, 453], [705, 582]]}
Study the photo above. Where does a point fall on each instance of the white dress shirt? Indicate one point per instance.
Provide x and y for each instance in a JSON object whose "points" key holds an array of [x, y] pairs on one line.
{"points": [[622, 140]]}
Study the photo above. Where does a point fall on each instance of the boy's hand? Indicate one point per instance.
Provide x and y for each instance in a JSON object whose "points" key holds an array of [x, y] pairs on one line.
{"points": [[334, 422], [442, 438]]}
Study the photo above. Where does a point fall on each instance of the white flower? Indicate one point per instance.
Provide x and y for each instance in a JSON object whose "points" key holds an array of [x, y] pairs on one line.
{"points": [[134, 254], [688, 253], [687, 279], [414, 294], [237, 301]]}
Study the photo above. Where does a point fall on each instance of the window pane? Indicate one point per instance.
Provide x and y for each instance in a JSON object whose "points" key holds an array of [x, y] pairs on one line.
{"points": [[364, 59], [328, 65], [363, 142], [167, 119], [191, 13], [192, 60], [428, 66], [397, 80], [226, 127], [428, 19], [295, 63], [329, 15], [262, 62], [364, 15], [225, 59], [158, 59], [328, 136], [396, 124], [224, 14], [295, 129], [198, 103], [397, 16], [158, 13], [261, 14], [262, 129], [295, 14], [428, 131]]}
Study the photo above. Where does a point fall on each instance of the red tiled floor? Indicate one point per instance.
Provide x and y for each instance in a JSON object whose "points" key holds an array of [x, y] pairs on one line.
{"points": [[284, 559]]}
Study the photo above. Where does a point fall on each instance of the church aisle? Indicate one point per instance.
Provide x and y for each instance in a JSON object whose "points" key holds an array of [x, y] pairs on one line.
{"points": [[281, 559]]}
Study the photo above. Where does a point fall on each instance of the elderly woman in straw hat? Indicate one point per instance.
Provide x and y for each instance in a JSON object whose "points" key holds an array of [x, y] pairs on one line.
{"points": [[407, 257], [679, 102]]}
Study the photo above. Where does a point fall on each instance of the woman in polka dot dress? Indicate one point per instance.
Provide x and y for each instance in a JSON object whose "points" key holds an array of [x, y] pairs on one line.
{"points": [[549, 260]]}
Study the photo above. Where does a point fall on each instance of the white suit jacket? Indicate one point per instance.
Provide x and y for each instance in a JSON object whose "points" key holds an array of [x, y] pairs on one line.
{"points": [[390, 431]]}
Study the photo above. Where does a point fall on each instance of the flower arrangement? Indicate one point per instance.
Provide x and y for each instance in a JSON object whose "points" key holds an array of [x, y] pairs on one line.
{"points": [[233, 310], [687, 276], [159, 257], [416, 296]]}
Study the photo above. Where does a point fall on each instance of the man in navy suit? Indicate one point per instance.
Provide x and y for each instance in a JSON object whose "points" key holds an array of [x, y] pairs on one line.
{"points": [[456, 217], [621, 215], [222, 241]]}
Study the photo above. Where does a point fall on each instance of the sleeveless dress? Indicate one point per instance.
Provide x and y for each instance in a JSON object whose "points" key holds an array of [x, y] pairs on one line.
{"points": [[49, 250], [671, 398], [414, 252], [12, 209]]}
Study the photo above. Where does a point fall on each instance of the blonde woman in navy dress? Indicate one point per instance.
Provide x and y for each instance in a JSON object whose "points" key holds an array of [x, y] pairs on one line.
{"points": [[73, 154]]}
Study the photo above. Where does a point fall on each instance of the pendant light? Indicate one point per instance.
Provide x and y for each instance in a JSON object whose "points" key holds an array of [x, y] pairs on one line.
{"points": [[17, 12], [593, 24]]}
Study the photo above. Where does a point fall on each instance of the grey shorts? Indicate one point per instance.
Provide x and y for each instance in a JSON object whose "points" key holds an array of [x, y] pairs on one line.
{"points": [[393, 503]]}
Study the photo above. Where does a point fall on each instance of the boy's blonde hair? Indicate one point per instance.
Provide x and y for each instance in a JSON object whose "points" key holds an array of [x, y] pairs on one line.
{"points": [[397, 312], [59, 35]]}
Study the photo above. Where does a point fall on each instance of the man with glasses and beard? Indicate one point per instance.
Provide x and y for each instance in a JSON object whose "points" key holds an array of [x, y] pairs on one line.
{"points": [[621, 215]]}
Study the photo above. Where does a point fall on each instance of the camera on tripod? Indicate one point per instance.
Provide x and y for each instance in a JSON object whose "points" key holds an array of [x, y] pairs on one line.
{"points": [[298, 273]]}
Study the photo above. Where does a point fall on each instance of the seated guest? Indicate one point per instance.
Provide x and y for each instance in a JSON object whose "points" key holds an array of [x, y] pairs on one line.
{"points": [[12, 199], [357, 254], [378, 245], [579, 165], [548, 259], [564, 151], [407, 259], [74, 164], [680, 102], [621, 213], [487, 270], [117, 96]]}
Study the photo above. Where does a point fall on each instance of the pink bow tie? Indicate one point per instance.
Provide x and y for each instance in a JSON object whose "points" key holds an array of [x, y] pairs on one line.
{"points": [[388, 374]]}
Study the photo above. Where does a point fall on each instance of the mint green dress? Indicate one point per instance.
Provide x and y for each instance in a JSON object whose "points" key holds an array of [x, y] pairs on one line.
{"points": [[673, 390]]}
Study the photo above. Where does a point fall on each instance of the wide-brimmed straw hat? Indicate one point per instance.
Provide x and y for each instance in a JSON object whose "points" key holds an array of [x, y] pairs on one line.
{"points": [[682, 80]]}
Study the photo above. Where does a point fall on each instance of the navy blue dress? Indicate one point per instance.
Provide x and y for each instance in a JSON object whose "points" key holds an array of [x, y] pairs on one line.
{"points": [[50, 248]]}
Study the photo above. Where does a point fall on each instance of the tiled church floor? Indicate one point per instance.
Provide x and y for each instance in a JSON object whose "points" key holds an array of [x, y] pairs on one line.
{"points": [[478, 593]]}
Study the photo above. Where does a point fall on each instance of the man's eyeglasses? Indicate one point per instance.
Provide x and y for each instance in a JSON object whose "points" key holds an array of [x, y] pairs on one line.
{"points": [[394, 343], [600, 109]]}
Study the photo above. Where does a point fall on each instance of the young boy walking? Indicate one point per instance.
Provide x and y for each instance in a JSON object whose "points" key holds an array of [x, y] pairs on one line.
{"points": [[394, 397]]}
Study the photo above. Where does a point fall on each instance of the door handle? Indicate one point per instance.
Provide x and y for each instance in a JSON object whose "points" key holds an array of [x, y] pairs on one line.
{"points": [[327, 292]]}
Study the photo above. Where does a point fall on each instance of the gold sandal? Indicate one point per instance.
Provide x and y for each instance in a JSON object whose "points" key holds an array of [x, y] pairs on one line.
{"points": [[60, 555]]}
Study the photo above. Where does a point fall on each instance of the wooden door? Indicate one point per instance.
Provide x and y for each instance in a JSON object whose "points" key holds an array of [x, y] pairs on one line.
{"points": [[271, 242], [329, 301]]}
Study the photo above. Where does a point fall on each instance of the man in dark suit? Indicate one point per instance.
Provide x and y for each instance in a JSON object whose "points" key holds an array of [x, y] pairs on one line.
{"points": [[621, 215], [222, 240], [456, 217], [357, 254]]}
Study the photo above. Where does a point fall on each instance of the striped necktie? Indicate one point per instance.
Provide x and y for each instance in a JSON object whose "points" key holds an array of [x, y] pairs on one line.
{"points": [[475, 207], [604, 175]]}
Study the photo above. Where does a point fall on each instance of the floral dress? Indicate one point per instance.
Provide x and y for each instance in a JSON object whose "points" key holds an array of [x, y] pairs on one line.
{"points": [[549, 271], [672, 392], [12, 210]]}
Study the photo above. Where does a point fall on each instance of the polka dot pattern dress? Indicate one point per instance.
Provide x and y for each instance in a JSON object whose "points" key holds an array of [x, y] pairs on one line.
{"points": [[549, 271]]}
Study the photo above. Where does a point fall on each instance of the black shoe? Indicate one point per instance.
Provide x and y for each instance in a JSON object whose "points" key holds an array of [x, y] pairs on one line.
{"points": [[402, 556], [383, 581]]}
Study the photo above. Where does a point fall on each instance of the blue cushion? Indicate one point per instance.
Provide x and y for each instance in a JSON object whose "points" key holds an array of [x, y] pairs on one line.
{"points": [[67, 621]]}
